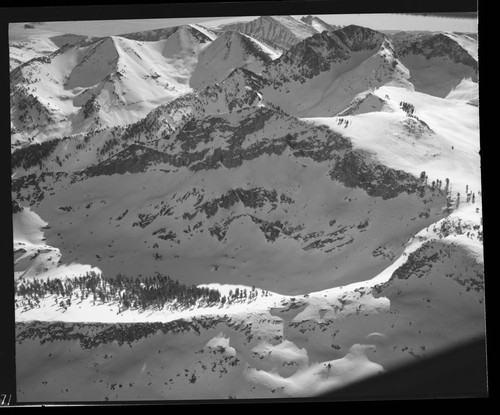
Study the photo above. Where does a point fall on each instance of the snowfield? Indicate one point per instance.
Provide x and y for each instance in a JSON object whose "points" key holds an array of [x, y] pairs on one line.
{"points": [[440, 143]]}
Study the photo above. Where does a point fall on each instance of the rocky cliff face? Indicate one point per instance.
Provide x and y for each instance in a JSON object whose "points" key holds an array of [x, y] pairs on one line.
{"points": [[434, 46], [29, 112], [319, 52], [354, 170], [325, 73], [437, 62]]}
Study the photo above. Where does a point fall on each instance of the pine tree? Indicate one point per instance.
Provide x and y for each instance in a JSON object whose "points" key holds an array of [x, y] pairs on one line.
{"points": [[422, 191]]}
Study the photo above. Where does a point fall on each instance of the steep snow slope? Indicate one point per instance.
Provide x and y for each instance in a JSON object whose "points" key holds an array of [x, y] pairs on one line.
{"points": [[467, 91], [25, 50], [211, 33], [466, 41], [284, 31], [366, 102], [229, 51], [33, 256]]}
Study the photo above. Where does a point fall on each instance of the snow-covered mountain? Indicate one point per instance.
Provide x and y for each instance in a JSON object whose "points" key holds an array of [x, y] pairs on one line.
{"points": [[318, 24], [32, 41], [24, 50], [438, 62], [323, 74], [316, 206], [111, 81], [284, 31], [239, 90], [184, 35], [271, 206], [229, 51]]}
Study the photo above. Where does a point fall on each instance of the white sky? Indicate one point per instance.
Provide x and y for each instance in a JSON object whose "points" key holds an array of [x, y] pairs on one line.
{"points": [[374, 21], [403, 22]]}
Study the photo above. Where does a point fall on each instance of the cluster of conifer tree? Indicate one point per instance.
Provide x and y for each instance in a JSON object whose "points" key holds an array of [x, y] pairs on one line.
{"points": [[238, 295], [407, 107], [341, 121], [108, 145], [470, 197], [136, 293], [33, 154]]}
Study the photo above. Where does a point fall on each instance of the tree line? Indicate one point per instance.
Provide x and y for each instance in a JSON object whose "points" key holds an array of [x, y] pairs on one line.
{"points": [[152, 291], [130, 293], [451, 202]]}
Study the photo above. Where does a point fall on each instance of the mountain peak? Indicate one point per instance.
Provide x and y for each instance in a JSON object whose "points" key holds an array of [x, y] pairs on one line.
{"points": [[284, 31], [186, 40], [151, 35], [244, 77], [202, 35], [298, 27], [326, 46], [232, 49], [318, 24], [99, 60], [307, 19], [434, 45], [358, 37]]}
